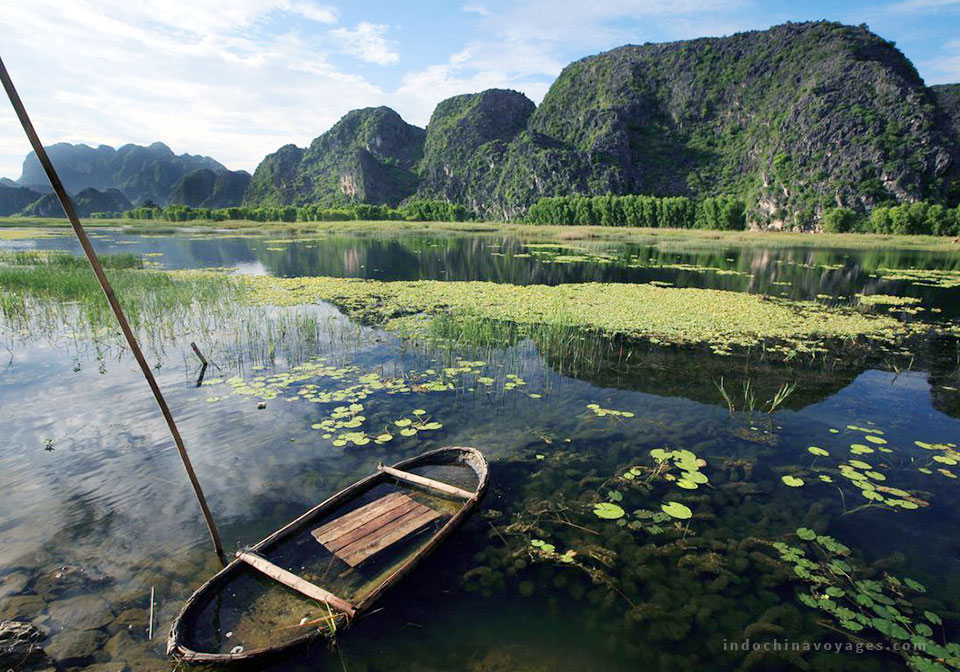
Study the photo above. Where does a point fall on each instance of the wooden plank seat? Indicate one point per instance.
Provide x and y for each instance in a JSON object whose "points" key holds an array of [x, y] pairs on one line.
{"points": [[371, 528], [425, 482], [293, 581]]}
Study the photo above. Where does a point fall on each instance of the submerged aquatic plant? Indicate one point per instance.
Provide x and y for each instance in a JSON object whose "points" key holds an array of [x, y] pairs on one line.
{"points": [[881, 609]]}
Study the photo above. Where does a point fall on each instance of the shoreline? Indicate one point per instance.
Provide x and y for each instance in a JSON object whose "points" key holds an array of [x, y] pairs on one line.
{"points": [[520, 231]]}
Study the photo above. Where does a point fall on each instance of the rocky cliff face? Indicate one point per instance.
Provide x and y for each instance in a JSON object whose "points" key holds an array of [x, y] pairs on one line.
{"points": [[466, 145], [141, 173], [794, 119], [369, 156], [276, 179], [948, 98]]}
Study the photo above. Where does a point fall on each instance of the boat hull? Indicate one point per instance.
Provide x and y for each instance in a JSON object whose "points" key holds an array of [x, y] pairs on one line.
{"points": [[181, 648]]}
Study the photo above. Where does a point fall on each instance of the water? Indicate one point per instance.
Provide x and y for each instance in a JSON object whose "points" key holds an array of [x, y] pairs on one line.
{"points": [[95, 505], [835, 275]]}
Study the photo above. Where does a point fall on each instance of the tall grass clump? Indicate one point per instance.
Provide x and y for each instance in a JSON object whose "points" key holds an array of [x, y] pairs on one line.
{"points": [[38, 288]]}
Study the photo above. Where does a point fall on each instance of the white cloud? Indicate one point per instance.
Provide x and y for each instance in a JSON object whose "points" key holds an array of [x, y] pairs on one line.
{"points": [[314, 12], [945, 68], [366, 42], [476, 9]]}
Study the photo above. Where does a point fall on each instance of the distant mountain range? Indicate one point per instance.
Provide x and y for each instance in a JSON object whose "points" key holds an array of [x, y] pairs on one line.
{"points": [[105, 179], [794, 120]]}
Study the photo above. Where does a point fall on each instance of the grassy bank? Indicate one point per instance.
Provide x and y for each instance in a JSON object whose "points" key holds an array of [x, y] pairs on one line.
{"points": [[533, 232]]}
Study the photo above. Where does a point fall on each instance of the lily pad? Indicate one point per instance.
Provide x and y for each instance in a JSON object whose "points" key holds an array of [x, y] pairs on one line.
{"points": [[676, 510], [792, 481], [819, 452], [608, 511]]}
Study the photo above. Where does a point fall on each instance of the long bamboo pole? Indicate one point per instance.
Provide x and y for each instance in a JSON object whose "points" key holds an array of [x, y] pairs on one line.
{"points": [[111, 297]]}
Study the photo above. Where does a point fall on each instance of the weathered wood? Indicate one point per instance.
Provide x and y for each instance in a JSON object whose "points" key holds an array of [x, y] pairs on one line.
{"points": [[373, 525], [291, 580], [426, 482], [386, 536], [369, 529], [196, 351], [357, 517]]}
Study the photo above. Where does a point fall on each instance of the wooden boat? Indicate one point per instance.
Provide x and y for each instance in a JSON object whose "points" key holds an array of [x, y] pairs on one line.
{"points": [[313, 576]]}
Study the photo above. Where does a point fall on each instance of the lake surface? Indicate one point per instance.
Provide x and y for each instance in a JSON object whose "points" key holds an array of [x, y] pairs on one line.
{"points": [[95, 510]]}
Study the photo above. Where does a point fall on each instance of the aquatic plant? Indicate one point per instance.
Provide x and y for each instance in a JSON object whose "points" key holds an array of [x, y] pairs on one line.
{"points": [[792, 481], [750, 403], [602, 412], [882, 609], [676, 510]]}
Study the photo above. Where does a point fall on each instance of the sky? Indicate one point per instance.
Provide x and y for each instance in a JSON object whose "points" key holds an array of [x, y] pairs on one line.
{"points": [[237, 79]]}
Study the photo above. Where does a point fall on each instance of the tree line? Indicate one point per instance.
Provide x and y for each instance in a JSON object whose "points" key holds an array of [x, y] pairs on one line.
{"points": [[908, 218], [727, 213], [417, 210]]}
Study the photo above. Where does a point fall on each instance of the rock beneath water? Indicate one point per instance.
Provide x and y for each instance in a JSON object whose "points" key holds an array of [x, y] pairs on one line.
{"points": [[19, 648], [66, 578], [13, 584], [85, 612], [131, 619], [122, 646], [107, 667], [75, 646], [21, 608]]}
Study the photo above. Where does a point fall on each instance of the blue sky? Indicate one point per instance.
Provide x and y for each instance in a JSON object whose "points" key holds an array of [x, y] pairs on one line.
{"points": [[236, 79]]}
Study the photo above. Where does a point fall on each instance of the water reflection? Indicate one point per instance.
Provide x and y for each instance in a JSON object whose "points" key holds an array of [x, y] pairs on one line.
{"points": [[832, 275]]}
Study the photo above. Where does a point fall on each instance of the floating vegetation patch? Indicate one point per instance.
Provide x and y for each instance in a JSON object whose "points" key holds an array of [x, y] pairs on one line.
{"points": [[31, 234], [663, 315], [887, 300], [921, 276], [882, 609], [348, 387], [873, 478]]}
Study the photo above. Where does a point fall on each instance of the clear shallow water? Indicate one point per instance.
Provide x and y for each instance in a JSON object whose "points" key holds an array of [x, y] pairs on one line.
{"points": [[95, 506]]}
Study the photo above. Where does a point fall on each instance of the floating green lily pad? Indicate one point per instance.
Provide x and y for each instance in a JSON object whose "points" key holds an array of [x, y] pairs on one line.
{"points": [[676, 510], [608, 511], [792, 481]]}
